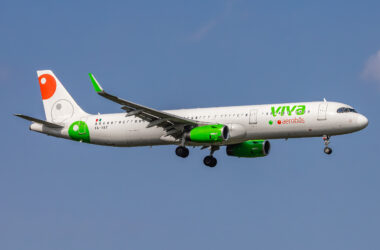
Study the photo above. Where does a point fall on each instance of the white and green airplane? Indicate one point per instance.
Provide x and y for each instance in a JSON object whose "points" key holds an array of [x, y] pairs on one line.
{"points": [[244, 130]]}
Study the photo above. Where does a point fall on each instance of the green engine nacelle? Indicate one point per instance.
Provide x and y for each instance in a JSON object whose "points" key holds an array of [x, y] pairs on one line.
{"points": [[251, 148], [209, 133]]}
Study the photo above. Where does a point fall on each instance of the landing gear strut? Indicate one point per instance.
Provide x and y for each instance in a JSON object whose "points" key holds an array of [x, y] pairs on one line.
{"points": [[210, 160], [326, 140], [181, 150]]}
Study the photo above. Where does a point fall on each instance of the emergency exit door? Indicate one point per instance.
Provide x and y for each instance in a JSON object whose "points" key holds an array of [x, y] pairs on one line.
{"points": [[253, 116]]}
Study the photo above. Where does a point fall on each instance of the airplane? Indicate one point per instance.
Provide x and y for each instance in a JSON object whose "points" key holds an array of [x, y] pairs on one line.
{"points": [[243, 130]]}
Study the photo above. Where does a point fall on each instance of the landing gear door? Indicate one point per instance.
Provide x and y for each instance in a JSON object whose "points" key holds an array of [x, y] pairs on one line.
{"points": [[322, 111], [253, 116]]}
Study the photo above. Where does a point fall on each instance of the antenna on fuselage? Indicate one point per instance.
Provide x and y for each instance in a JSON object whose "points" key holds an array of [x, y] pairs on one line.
{"points": [[324, 99]]}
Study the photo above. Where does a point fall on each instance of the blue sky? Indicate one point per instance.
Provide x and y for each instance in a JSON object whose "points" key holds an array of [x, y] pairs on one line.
{"points": [[58, 194]]}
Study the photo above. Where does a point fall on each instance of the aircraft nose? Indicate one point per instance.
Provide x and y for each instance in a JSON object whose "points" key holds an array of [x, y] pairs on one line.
{"points": [[362, 121]]}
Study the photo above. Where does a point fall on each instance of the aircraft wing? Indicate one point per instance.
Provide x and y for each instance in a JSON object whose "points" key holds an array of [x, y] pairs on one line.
{"points": [[174, 125]]}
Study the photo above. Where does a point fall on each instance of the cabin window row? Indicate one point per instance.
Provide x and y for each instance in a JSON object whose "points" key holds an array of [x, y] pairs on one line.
{"points": [[188, 117], [279, 113]]}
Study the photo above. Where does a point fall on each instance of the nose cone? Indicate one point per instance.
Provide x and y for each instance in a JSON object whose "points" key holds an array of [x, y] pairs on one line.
{"points": [[362, 121]]}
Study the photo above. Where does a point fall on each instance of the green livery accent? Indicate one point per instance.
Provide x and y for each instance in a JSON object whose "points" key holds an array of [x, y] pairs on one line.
{"points": [[270, 122], [275, 111], [300, 110], [250, 149], [95, 83], [209, 133], [79, 131], [288, 110]]}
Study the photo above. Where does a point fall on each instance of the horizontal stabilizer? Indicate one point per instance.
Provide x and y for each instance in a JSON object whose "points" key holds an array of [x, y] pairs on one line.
{"points": [[32, 119]]}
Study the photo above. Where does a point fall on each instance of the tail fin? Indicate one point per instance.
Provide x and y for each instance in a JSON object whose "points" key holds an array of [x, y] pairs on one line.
{"points": [[58, 103]]}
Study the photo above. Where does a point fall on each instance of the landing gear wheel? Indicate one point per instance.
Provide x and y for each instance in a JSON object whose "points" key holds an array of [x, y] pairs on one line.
{"points": [[326, 141], [210, 161], [327, 150], [182, 151]]}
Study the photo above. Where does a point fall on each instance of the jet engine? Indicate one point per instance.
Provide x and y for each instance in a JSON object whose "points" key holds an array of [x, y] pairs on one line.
{"points": [[250, 149], [209, 133]]}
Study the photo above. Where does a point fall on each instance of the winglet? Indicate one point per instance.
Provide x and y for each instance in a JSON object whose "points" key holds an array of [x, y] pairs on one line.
{"points": [[95, 83]]}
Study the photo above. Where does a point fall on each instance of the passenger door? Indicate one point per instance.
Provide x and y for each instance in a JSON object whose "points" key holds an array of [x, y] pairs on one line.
{"points": [[322, 111]]}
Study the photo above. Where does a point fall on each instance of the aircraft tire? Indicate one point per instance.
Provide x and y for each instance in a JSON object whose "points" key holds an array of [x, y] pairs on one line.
{"points": [[182, 151], [210, 161], [327, 150]]}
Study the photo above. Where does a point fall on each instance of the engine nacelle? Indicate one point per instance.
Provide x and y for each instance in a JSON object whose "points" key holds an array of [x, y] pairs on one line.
{"points": [[237, 131], [209, 133], [251, 148]]}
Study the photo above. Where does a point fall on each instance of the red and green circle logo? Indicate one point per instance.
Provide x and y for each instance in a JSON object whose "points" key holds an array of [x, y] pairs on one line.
{"points": [[47, 86]]}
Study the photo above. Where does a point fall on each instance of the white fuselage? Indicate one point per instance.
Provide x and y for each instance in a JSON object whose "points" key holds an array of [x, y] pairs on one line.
{"points": [[245, 123]]}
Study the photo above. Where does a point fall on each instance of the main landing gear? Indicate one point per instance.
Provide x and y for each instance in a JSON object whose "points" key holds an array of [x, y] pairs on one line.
{"points": [[210, 160], [182, 151], [326, 140]]}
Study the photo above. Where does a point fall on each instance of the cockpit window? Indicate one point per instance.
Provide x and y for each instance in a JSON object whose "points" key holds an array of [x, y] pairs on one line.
{"points": [[345, 110]]}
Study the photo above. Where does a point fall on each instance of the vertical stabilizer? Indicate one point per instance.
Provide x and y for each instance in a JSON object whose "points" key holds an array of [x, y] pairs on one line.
{"points": [[58, 104]]}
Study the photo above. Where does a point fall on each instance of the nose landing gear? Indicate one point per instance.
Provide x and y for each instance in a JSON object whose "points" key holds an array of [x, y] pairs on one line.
{"points": [[327, 149]]}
